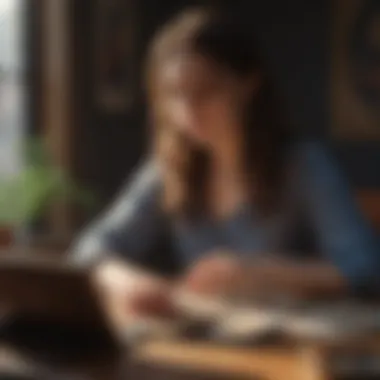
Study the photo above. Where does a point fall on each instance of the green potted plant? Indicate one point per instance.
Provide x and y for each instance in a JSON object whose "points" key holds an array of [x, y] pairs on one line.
{"points": [[26, 197]]}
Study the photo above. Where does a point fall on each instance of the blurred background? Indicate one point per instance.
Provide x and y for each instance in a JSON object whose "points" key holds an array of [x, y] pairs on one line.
{"points": [[73, 121]]}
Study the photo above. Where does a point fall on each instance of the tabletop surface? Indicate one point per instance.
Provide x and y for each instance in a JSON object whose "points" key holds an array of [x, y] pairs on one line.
{"points": [[23, 367], [181, 359], [170, 360]]}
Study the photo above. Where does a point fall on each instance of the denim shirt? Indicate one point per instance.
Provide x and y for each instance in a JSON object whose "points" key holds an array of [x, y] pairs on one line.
{"points": [[317, 208]]}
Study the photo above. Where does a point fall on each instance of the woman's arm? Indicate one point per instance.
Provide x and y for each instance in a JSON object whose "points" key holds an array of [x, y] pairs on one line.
{"points": [[343, 235], [350, 260], [130, 228], [306, 279], [116, 246], [221, 273]]}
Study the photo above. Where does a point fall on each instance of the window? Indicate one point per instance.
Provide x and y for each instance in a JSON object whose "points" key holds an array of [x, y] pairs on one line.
{"points": [[12, 86]]}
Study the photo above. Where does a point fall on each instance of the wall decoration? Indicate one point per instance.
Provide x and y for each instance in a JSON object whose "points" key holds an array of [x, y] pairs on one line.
{"points": [[114, 54], [355, 72]]}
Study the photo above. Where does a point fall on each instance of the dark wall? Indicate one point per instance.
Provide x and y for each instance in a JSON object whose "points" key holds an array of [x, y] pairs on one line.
{"points": [[295, 34], [297, 37], [108, 146]]}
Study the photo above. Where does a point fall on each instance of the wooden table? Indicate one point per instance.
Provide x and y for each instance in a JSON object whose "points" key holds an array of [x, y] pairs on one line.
{"points": [[116, 368], [302, 361], [190, 360], [22, 365], [273, 363]]}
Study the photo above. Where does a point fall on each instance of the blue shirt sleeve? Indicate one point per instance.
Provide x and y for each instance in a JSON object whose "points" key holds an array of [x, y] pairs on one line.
{"points": [[130, 227], [343, 235]]}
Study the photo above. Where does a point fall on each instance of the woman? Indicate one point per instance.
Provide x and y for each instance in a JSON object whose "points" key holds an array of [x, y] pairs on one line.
{"points": [[226, 178]]}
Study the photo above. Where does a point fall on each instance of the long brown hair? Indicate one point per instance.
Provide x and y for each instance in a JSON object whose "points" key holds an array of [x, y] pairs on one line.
{"points": [[227, 42]]}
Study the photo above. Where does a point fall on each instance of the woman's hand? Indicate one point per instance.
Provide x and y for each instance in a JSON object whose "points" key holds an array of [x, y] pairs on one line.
{"points": [[222, 274], [127, 293], [217, 274]]}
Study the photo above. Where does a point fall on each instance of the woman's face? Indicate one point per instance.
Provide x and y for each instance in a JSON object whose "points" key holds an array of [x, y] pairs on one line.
{"points": [[200, 99]]}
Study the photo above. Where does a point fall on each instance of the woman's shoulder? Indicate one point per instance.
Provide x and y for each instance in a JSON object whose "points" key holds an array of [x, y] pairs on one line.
{"points": [[309, 147], [143, 181], [312, 162], [311, 152], [147, 172]]}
